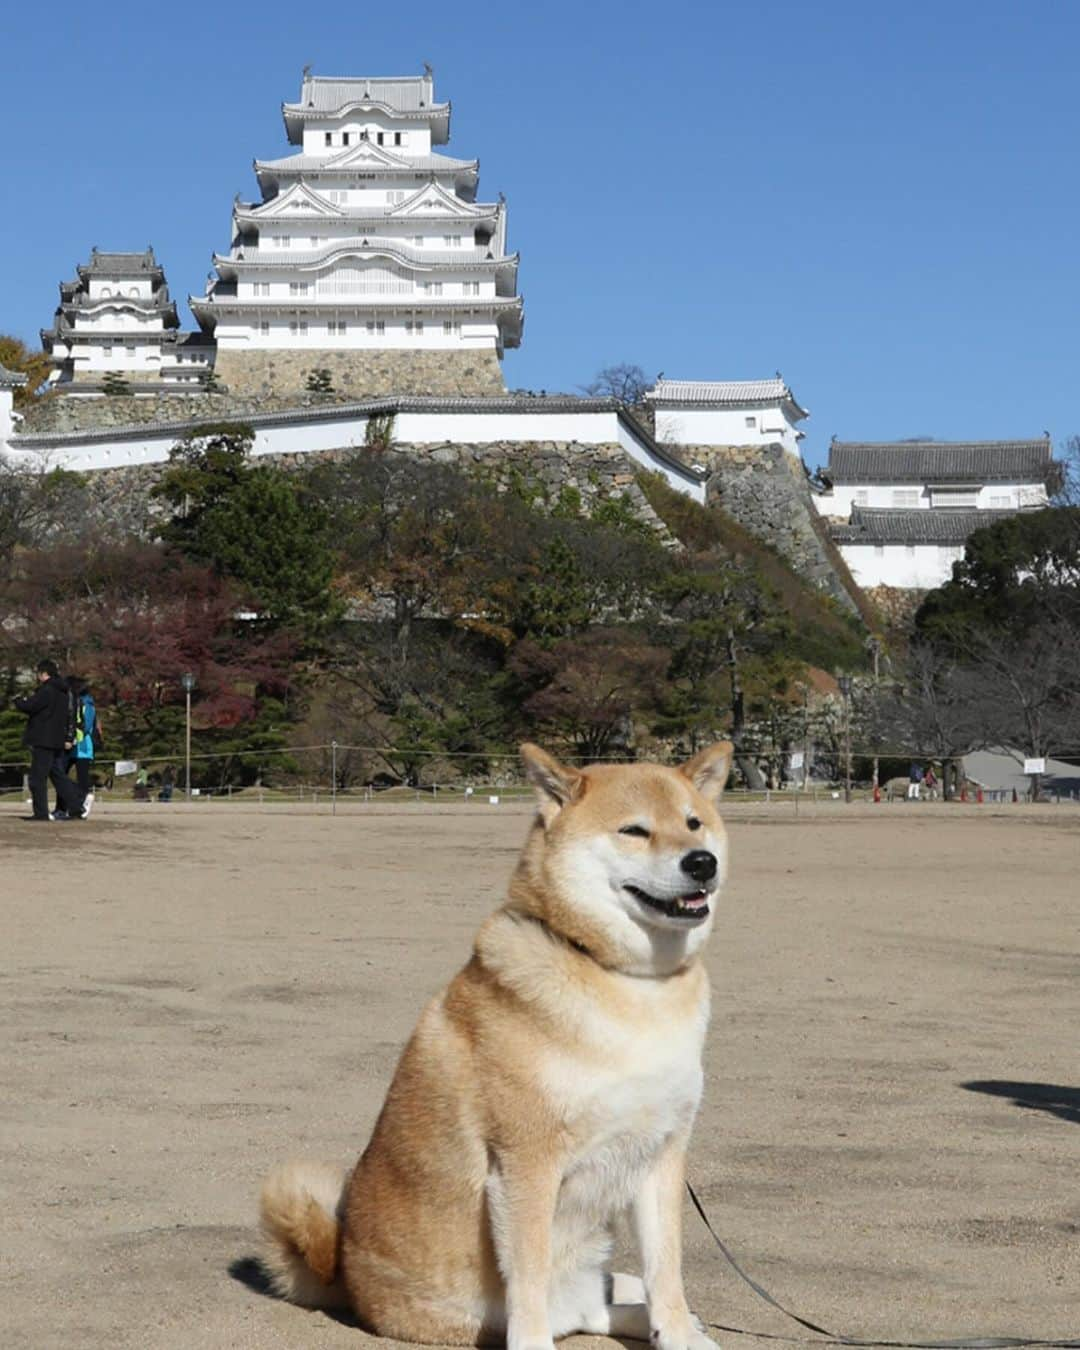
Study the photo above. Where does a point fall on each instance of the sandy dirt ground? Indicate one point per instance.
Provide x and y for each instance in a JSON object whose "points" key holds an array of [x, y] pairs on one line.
{"points": [[890, 1139]]}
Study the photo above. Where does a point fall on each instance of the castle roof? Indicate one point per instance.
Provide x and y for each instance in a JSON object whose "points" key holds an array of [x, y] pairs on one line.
{"points": [[329, 96], [362, 158], [120, 265], [12, 379], [939, 461], [477, 259], [722, 394], [869, 525]]}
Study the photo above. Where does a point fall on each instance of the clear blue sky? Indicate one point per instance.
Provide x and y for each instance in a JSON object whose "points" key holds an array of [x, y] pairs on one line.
{"points": [[881, 200]]}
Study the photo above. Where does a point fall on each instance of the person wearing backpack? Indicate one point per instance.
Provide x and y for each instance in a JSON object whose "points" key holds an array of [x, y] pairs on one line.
{"points": [[87, 740], [50, 734]]}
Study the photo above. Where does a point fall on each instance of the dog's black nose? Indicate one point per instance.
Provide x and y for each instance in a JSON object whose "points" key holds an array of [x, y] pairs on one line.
{"points": [[700, 864]]}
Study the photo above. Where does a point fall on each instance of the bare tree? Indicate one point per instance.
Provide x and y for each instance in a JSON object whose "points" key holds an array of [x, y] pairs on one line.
{"points": [[625, 382], [1067, 488], [934, 708], [1027, 690]]}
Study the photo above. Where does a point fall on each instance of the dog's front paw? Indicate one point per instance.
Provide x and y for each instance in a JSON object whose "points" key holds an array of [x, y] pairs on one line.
{"points": [[682, 1336]]}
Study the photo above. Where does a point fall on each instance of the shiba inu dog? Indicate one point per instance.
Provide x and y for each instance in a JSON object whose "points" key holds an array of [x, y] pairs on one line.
{"points": [[550, 1088]]}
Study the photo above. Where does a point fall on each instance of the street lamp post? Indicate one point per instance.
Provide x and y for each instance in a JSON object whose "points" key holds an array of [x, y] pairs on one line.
{"points": [[875, 651], [187, 683], [844, 681]]}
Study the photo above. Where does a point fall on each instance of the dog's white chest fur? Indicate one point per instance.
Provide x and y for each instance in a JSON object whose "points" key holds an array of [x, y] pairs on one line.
{"points": [[621, 1105]]}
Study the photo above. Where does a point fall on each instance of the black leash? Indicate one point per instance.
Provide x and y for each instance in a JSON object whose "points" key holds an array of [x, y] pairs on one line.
{"points": [[835, 1338]]}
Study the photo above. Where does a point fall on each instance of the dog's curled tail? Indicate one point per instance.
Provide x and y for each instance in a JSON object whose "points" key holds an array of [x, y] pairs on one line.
{"points": [[301, 1205]]}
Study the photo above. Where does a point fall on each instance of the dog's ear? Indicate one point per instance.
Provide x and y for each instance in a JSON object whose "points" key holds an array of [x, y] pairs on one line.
{"points": [[709, 769], [556, 784]]}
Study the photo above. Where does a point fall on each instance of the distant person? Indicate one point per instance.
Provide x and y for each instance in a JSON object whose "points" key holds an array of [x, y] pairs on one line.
{"points": [[915, 777], [930, 782], [50, 734], [141, 790], [87, 740], [168, 780]]}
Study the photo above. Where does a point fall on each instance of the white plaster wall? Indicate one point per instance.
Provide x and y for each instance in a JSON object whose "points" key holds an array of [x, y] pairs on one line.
{"points": [[8, 424], [238, 334], [586, 428], [908, 567], [991, 496], [726, 426], [415, 136], [92, 356], [128, 287]]}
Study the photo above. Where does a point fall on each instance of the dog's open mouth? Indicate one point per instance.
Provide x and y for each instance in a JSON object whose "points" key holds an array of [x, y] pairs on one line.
{"points": [[693, 906]]}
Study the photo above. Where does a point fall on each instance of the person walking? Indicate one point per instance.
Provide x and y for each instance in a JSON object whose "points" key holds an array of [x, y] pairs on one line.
{"points": [[50, 733], [915, 777], [87, 740]]}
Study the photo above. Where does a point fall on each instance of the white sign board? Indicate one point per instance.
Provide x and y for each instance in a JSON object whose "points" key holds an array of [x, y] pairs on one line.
{"points": [[796, 759], [1034, 765], [123, 766]]}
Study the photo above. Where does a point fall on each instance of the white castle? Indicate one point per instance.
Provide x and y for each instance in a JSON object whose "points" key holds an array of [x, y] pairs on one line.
{"points": [[368, 270], [367, 237]]}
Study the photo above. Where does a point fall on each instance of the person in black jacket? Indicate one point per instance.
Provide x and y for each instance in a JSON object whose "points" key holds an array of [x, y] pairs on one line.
{"points": [[50, 733]]}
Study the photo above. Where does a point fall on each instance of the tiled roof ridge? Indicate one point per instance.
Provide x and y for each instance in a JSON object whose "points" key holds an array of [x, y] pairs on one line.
{"points": [[882, 525], [919, 444]]}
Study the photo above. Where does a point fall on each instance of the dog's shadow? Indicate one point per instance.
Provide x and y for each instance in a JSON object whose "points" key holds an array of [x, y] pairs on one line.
{"points": [[252, 1274]]}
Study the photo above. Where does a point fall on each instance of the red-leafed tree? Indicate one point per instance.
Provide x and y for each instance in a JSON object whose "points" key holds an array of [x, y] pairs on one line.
{"points": [[134, 619]]}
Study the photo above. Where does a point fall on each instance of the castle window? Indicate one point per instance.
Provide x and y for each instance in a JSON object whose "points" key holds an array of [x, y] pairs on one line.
{"points": [[906, 498], [376, 326], [328, 138], [264, 327], [106, 351], [298, 288], [314, 241], [345, 138], [418, 240], [433, 287], [336, 327], [397, 137], [129, 348], [451, 328], [862, 497], [470, 288], [751, 421], [379, 138], [414, 327]]}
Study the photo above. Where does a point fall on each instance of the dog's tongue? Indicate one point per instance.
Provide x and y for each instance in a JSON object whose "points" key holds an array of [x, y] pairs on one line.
{"points": [[695, 900]]}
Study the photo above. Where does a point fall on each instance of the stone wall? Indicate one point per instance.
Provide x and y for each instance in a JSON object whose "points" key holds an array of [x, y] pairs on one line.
{"points": [[362, 374], [120, 499], [276, 381], [765, 489], [65, 413]]}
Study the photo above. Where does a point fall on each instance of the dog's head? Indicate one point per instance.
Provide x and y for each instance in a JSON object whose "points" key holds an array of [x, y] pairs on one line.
{"points": [[628, 859]]}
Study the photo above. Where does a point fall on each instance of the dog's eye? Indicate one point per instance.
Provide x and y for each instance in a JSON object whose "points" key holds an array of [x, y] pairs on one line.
{"points": [[693, 823], [638, 831]]}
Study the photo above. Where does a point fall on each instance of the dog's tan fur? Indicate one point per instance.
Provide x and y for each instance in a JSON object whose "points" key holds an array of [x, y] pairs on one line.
{"points": [[549, 1088]]}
